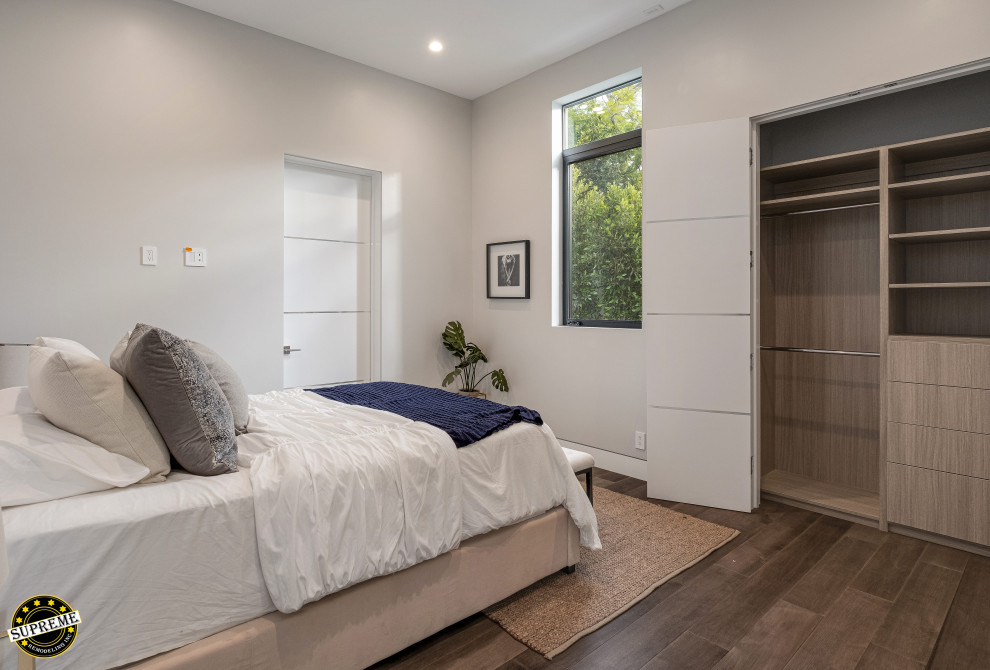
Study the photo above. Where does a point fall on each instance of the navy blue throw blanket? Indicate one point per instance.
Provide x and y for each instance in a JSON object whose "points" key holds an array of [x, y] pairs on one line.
{"points": [[465, 419]]}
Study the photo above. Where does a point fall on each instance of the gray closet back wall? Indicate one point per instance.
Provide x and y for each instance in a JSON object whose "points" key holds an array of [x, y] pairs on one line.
{"points": [[951, 106]]}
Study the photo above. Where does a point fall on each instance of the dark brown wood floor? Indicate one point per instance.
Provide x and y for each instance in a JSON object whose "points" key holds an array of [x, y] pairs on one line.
{"points": [[794, 590]]}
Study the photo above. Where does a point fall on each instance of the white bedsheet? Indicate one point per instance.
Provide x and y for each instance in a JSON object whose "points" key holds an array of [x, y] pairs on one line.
{"points": [[518, 473], [153, 567], [150, 567], [512, 475], [355, 493], [345, 493]]}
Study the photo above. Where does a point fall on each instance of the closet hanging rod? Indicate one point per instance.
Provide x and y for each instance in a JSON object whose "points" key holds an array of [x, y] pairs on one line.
{"points": [[822, 351], [823, 209]]}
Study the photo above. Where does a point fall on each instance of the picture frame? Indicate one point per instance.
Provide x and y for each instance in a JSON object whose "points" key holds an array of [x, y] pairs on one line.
{"points": [[507, 267]]}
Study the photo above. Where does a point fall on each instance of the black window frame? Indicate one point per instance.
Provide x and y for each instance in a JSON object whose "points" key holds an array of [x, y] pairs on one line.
{"points": [[583, 152]]}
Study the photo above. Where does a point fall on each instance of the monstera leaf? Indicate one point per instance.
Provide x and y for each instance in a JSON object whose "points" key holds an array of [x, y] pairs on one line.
{"points": [[453, 339], [451, 376], [475, 355], [499, 381]]}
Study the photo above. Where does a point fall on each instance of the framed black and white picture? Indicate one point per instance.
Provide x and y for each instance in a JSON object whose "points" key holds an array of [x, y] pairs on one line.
{"points": [[508, 269]]}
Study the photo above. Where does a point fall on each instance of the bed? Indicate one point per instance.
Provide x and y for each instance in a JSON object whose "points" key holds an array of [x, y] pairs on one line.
{"points": [[179, 574]]}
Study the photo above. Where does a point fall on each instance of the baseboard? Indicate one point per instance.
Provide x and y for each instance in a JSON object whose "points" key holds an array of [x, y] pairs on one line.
{"points": [[607, 460], [940, 539]]}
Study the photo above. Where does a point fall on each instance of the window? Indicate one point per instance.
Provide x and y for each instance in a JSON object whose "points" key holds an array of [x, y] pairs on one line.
{"points": [[603, 209]]}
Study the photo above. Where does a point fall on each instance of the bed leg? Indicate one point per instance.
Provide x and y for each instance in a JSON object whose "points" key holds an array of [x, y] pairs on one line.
{"points": [[588, 484], [569, 570]]}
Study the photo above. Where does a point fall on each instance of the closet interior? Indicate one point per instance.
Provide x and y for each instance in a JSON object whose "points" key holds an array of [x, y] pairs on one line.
{"points": [[820, 331], [874, 339]]}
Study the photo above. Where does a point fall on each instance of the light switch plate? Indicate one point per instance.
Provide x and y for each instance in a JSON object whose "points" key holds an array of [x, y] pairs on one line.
{"points": [[149, 255], [195, 257]]}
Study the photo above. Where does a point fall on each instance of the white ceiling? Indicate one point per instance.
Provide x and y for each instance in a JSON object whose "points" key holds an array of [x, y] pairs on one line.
{"points": [[487, 43]]}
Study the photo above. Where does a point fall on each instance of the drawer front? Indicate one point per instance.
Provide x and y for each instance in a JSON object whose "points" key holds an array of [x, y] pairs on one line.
{"points": [[947, 363], [949, 407], [939, 502], [938, 449]]}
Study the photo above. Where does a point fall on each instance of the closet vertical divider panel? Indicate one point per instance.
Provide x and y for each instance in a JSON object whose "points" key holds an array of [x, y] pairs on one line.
{"points": [[886, 279]]}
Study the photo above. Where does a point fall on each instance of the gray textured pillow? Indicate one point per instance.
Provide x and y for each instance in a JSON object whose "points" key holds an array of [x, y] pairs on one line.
{"points": [[231, 384], [81, 395], [184, 400]]}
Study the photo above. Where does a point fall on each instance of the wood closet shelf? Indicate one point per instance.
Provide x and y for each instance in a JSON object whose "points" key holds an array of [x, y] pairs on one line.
{"points": [[854, 161], [940, 338], [944, 146], [845, 499], [954, 235], [956, 284], [805, 203], [951, 185]]}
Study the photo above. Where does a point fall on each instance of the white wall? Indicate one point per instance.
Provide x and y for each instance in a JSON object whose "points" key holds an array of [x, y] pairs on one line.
{"points": [[136, 122], [705, 61]]}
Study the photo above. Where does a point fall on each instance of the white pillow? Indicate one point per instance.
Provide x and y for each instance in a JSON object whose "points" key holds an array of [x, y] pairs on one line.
{"points": [[62, 344], [117, 355], [41, 462], [16, 400], [85, 397]]}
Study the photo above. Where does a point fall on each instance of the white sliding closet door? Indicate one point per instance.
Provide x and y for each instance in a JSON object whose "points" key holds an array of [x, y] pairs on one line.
{"points": [[331, 274], [697, 313]]}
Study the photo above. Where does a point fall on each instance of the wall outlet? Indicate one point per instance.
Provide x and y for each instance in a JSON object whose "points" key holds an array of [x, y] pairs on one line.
{"points": [[195, 258], [149, 255], [640, 440]]}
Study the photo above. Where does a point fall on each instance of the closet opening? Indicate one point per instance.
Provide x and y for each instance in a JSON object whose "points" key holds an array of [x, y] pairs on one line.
{"points": [[873, 234]]}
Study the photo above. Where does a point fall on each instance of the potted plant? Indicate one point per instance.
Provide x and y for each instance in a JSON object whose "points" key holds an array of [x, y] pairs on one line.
{"points": [[468, 355]]}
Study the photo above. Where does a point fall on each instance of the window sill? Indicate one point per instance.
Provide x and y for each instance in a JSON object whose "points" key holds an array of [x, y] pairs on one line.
{"points": [[599, 325]]}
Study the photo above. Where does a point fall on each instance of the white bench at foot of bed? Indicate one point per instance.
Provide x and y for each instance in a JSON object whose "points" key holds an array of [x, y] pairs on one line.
{"points": [[367, 622], [582, 463]]}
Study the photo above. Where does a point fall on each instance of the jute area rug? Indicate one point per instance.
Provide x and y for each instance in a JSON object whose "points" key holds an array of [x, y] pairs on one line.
{"points": [[643, 546]]}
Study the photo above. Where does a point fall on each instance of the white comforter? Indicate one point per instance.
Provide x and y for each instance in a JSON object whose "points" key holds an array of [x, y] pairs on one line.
{"points": [[345, 493]]}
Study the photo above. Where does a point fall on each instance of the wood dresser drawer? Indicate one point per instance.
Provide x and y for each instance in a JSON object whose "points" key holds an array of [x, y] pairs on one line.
{"points": [[949, 407], [939, 449], [960, 362], [939, 502]]}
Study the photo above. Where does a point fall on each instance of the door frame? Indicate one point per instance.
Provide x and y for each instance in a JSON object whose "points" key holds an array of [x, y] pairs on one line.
{"points": [[375, 285]]}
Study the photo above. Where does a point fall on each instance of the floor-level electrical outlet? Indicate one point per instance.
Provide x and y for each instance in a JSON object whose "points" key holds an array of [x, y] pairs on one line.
{"points": [[640, 440]]}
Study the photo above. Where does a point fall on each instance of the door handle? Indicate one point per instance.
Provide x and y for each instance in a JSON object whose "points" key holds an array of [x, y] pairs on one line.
{"points": [[288, 350]]}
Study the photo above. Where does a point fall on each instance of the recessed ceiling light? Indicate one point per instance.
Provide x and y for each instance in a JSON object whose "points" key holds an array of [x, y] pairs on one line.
{"points": [[436, 46]]}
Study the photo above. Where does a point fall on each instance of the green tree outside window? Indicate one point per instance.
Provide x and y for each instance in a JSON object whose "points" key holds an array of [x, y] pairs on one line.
{"points": [[606, 208]]}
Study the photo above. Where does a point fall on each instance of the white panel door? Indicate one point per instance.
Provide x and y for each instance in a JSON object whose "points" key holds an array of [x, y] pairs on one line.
{"points": [[326, 276], [698, 362], [699, 457], [697, 267], [336, 346], [697, 305], [325, 205], [699, 171], [330, 266]]}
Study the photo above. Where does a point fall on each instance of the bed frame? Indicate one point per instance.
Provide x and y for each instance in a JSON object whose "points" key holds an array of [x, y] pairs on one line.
{"points": [[367, 622]]}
